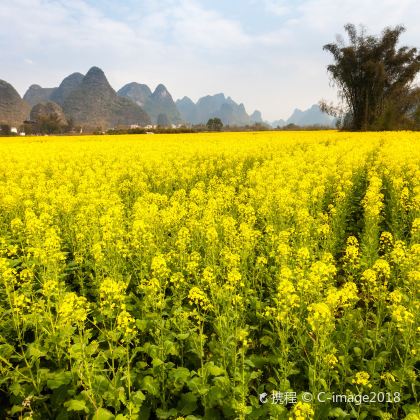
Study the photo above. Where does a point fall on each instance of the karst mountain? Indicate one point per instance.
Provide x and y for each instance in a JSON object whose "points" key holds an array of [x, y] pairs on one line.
{"points": [[89, 101], [13, 109]]}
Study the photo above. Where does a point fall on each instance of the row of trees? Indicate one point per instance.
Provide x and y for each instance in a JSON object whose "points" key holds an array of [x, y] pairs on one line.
{"points": [[45, 125], [375, 80], [50, 124]]}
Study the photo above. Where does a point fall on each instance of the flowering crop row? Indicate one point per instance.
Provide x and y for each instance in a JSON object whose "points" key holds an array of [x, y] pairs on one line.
{"points": [[185, 276]]}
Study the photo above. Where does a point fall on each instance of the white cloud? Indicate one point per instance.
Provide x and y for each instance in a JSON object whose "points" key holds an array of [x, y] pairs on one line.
{"points": [[202, 28], [193, 49], [278, 7]]}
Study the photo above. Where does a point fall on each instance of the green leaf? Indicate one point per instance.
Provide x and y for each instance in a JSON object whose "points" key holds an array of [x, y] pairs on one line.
{"points": [[166, 414], [6, 350], [76, 405], [57, 379], [187, 404], [363, 415], [103, 414], [255, 374], [357, 351], [337, 413], [141, 324], [215, 396], [150, 385], [16, 389], [266, 340], [214, 370], [170, 348], [121, 395], [196, 385], [180, 374], [157, 362], [137, 398], [100, 383], [16, 409], [324, 384], [34, 352]]}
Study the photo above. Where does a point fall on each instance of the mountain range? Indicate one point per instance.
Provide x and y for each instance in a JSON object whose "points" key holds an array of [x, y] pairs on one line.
{"points": [[13, 109], [90, 101], [311, 116], [95, 103], [156, 103], [216, 106]]}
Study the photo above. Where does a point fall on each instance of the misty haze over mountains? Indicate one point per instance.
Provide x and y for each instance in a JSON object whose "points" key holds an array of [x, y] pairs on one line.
{"points": [[89, 101]]}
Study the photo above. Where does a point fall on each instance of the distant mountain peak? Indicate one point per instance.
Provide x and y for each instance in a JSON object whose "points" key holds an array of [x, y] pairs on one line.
{"points": [[311, 116], [136, 86], [95, 76], [37, 94], [185, 100], [35, 86], [137, 92], [256, 117], [161, 91], [68, 85], [158, 103], [95, 72], [94, 103], [211, 106], [13, 109]]}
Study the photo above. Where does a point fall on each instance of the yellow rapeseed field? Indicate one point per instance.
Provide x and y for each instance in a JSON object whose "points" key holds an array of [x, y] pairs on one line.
{"points": [[210, 276]]}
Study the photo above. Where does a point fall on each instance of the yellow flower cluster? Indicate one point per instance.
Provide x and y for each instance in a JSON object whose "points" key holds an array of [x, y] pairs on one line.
{"points": [[352, 253], [198, 297], [302, 411], [320, 318], [159, 268], [273, 241], [362, 378], [72, 309], [403, 318], [126, 324], [21, 303], [330, 360], [111, 294], [372, 201], [344, 297]]}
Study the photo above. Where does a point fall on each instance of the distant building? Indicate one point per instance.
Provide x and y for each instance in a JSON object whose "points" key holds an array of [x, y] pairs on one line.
{"points": [[14, 130]]}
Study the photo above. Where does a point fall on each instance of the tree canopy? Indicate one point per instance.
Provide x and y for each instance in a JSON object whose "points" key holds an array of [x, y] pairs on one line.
{"points": [[214, 124], [375, 79]]}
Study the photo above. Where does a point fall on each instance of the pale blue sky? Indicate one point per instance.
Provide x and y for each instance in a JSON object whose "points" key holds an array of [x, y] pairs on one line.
{"points": [[264, 53]]}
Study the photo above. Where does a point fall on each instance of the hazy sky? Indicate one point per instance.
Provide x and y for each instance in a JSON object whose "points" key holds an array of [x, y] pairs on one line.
{"points": [[265, 53]]}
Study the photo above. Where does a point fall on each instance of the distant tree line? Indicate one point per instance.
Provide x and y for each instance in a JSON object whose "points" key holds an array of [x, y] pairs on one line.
{"points": [[50, 124], [6, 130], [32, 129], [375, 80], [211, 126], [43, 125]]}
